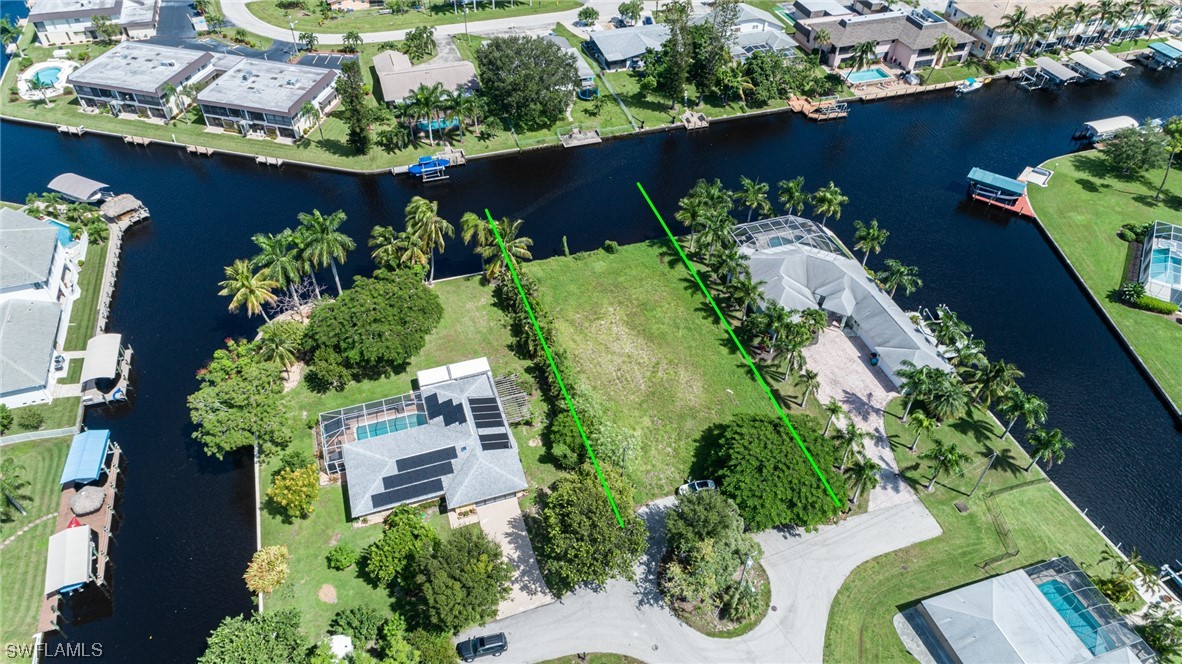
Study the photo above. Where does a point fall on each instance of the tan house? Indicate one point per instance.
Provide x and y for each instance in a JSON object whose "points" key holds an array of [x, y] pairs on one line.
{"points": [[399, 78]]}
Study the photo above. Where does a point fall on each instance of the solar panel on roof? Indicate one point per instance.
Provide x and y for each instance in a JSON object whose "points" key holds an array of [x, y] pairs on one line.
{"points": [[482, 401], [491, 437], [485, 408], [488, 421], [388, 498], [495, 446], [426, 459], [450, 411], [417, 475]]}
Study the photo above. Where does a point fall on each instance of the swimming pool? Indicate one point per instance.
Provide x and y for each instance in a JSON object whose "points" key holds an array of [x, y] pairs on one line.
{"points": [[868, 76], [48, 76], [436, 125], [64, 236], [400, 423], [1074, 613], [1165, 266]]}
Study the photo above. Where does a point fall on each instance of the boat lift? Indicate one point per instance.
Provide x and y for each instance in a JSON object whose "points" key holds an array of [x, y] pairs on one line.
{"points": [[999, 191], [1046, 73], [430, 169]]}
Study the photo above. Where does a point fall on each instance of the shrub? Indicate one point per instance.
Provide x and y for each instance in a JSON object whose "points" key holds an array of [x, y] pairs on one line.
{"points": [[1150, 303], [405, 536], [295, 490], [611, 247], [566, 445], [25, 63], [342, 556], [1131, 291], [5, 418], [392, 641], [744, 603], [1126, 235], [295, 459], [433, 648], [30, 419], [267, 570], [1138, 231], [360, 622]]}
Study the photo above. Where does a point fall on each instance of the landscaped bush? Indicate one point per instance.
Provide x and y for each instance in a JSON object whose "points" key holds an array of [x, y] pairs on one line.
{"points": [[1131, 291], [565, 443], [293, 459], [360, 622], [30, 419], [1126, 235], [405, 536], [433, 648], [1137, 232], [393, 641], [1150, 303], [294, 490], [342, 556], [745, 605], [267, 570], [5, 418], [705, 545], [611, 247]]}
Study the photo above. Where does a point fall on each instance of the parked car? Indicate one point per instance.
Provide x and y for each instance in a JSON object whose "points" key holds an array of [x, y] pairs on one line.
{"points": [[696, 486], [482, 646], [648, 20], [618, 22]]}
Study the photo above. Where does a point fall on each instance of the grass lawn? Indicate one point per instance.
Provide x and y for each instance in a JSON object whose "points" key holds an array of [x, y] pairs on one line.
{"points": [[1041, 522], [369, 20], [471, 327], [59, 414], [23, 561], [84, 312], [1132, 45], [74, 372], [1082, 209], [648, 354], [960, 72]]}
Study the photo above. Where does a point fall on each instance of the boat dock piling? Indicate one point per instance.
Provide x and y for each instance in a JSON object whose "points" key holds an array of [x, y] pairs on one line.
{"points": [[269, 161], [71, 131]]}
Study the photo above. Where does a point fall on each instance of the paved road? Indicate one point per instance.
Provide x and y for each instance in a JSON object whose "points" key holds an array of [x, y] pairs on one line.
{"points": [[806, 570]]}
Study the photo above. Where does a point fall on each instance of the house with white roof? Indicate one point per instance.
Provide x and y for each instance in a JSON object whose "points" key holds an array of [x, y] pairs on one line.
{"points": [[398, 77], [140, 79], [70, 21], [265, 98]]}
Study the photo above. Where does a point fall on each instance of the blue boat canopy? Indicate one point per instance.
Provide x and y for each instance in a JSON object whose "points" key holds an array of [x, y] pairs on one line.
{"points": [[88, 450], [1166, 50], [1008, 185]]}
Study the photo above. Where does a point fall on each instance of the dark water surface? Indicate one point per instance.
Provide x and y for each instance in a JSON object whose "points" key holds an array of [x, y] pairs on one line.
{"points": [[189, 526]]}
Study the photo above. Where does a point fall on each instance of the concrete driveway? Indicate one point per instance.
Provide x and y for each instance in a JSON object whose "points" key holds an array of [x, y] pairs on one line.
{"points": [[843, 367], [502, 521], [805, 570]]}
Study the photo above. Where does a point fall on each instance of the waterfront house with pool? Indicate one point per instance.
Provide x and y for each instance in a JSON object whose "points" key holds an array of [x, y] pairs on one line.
{"points": [[141, 80], [71, 21], [755, 30], [1049, 612], [1161, 262], [448, 439], [266, 99], [904, 38], [398, 77]]}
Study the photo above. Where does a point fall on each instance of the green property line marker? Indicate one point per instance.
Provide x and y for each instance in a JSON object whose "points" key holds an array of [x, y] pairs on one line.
{"points": [[554, 367], [739, 345]]}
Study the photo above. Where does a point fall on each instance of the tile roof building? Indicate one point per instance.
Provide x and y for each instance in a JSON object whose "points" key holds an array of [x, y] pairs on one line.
{"points": [[904, 38]]}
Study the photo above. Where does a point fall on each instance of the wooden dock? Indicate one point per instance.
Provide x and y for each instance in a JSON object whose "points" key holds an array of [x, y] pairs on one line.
{"points": [[71, 131], [819, 110], [454, 156], [268, 161], [692, 121], [1021, 206], [137, 140], [199, 150], [579, 137]]}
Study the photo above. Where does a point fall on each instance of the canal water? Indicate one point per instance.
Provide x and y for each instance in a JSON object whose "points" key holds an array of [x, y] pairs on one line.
{"points": [[189, 525]]}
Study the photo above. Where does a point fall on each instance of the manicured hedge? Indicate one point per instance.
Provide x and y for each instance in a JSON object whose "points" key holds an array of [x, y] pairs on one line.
{"points": [[1150, 303]]}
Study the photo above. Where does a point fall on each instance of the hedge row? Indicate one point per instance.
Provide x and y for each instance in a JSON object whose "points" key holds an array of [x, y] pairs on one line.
{"points": [[1150, 303]]}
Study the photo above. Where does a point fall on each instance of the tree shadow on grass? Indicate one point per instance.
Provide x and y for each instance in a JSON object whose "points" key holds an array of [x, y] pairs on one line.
{"points": [[1100, 167], [1006, 460], [978, 426]]}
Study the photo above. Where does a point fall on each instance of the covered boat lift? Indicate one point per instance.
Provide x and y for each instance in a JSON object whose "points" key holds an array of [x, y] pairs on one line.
{"points": [[1090, 67], [1000, 191], [124, 210], [70, 562], [105, 370], [1119, 66], [1099, 130], [79, 189], [1163, 55], [1047, 72], [87, 457]]}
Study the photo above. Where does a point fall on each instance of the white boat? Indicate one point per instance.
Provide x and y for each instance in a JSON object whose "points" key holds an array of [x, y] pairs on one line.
{"points": [[969, 85]]}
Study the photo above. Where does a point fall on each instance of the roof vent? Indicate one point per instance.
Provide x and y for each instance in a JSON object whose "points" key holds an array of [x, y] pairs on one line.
{"points": [[247, 74], [291, 82]]}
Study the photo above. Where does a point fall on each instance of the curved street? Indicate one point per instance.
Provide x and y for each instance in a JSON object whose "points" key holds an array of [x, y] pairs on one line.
{"points": [[805, 570]]}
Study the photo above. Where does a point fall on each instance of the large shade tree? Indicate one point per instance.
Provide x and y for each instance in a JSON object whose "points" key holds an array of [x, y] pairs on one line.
{"points": [[529, 81]]}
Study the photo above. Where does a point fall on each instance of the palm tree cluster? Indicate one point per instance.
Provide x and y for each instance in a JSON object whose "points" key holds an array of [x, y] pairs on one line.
{"points": [[861, 472], [433, 108], [284, 260], [425, 234], [1076, 25]]}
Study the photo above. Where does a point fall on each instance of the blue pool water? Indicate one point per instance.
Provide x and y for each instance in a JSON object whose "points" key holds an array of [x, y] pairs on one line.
{"points": [[48, 76], [64, 237], [1165, 266], [400, 423], [1073, 611], [868, 76], [436, 125]]}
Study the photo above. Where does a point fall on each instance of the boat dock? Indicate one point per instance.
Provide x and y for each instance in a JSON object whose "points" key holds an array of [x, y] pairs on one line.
{"points": [[577, 137], [199, 150], [268, 161], [825, 108], [1000, 191], [137, 140], [692, 121], [71, 131]]}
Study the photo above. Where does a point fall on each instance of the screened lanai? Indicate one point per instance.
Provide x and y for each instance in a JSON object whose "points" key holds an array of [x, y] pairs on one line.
{"points": [[782, 231]]}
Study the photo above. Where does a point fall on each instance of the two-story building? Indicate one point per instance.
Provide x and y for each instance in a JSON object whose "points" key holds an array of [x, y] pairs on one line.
{"points": [[141, 79], [755, 30], [267, 99], [38, 286], [903, 37], [71, 21]]}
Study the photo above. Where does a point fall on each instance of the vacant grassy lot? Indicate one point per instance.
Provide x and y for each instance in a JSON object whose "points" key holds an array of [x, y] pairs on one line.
{"points": [[1082, 209], [84, 312], [369, 20], [23, 561], [1040, 521], [648, 354]]}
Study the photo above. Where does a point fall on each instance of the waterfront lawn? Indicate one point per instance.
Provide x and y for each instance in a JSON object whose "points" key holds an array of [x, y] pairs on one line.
{"points": [[84, 312], [73, 372], [369, 20], [1132, 45], [60, 413], [23, 560], [648, 355], [960, 72], [1082, 209], [1042, 523]]}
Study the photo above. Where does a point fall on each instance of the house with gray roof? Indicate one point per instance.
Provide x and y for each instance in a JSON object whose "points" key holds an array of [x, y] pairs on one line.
{"points": [[140, 79], [904, 37], [586, 73], [449, 439], [755, 30], [264, 98], [399, 78], [35, 265], [69, 21], [621, 48], [1049, 612], [28, 341], [802, 268]]}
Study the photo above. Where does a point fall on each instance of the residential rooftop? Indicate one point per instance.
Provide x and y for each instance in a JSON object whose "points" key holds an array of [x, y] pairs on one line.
{"points": [[918, 29], [399, 77], [584, 69], [28, 335], [993, 11], [624, 43], [265, 86], [27, 248], [139, 67], [123, 12]]}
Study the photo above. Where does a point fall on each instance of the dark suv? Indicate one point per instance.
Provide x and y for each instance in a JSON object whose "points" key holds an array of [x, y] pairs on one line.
{"points": [[480, 646]]}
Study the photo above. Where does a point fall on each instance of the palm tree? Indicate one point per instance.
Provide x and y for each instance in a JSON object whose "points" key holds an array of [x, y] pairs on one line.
{"points": [[10, 34], [276, 347], [745, 293], [967, 353], [717, 231], [1047, 445], [898, 274], [863, 55], [1013, 24], [992, 380], [476, 230], [426, 102], [467, 106], [828, 201], [835, 410], [387, 251], [313, 110], [862, 474], [942, 48], [729, 264], [1160, 15], [691, 213], [41, 86], [408, 249], [792, 194], [947, 398], [949, 329], [753, 194], [1105, 11], [946, 458], [921, 424], [851, 438], [809, 382], [279, 256], [424, 222], [917, 382], [12, 486], [323, 243], [247, 288], [821, 38], [971, 24], [516, 245], [1056, 20], [870, 238]]}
